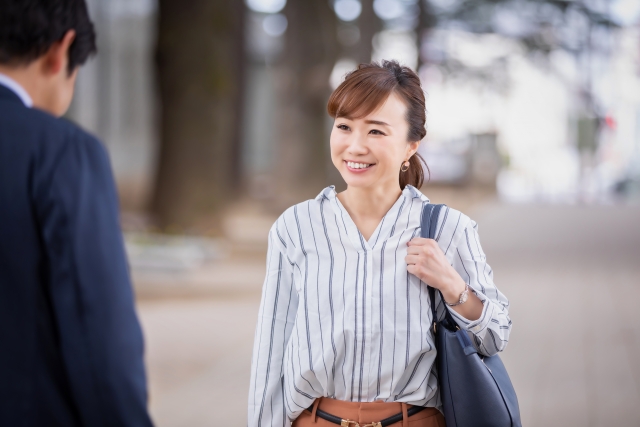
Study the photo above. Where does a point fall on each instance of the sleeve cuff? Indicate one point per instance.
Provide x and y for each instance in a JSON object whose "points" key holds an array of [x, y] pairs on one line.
{"points": [[474, 326]]}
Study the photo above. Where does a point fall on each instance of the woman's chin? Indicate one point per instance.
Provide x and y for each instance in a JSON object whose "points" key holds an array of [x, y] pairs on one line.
{"points": [[358, 181]]}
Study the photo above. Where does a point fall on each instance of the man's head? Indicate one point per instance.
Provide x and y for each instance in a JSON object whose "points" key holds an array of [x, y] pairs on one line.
{"points": [[42, 45]]}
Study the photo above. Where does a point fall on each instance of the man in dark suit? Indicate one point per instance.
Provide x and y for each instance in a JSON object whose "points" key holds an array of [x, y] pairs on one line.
{"points": [[71, 350]]}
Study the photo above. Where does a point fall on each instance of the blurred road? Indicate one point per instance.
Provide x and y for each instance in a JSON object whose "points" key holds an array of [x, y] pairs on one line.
{"points": [[572, 274]]}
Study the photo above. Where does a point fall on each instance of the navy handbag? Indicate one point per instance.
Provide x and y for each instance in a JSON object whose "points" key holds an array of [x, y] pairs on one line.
{"points": [[475, 389]]}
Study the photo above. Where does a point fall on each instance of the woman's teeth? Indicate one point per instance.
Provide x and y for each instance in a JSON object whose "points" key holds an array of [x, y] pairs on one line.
{"points": [[354, 165]]}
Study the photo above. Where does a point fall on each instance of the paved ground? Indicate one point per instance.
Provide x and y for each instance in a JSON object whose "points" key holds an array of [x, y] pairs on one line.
{"points": [[572, 274]]}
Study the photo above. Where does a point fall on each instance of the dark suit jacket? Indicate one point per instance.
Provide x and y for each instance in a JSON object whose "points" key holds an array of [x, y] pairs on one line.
{"points": [[71, 346]]}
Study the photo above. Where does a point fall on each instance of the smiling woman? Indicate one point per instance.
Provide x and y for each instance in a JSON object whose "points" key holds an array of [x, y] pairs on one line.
{"points": [[388, 90], [344, 332]]}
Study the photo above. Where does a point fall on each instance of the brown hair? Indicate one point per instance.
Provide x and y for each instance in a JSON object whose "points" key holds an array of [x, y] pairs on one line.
{"points": [[368, 87]]}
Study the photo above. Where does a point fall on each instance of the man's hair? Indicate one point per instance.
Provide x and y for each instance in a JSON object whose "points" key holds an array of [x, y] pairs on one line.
{"points": [[28, 28]]}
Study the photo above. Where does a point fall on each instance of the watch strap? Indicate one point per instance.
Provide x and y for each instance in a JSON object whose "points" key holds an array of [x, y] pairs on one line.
{"points": [[464, 296]]}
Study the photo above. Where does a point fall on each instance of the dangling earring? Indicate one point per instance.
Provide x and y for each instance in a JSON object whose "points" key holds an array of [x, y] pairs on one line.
{"points": [[405, 166]]}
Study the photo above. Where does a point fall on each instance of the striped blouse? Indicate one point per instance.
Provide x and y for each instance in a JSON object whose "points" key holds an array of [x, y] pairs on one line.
{"points": [[341, 317]]}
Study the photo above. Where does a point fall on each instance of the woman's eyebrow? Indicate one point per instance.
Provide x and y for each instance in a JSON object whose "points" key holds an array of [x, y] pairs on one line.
{"points": [[376, 122]]}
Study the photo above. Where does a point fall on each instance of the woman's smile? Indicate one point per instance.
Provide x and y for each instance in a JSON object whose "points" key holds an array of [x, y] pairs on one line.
{"points": [[358, 167]]}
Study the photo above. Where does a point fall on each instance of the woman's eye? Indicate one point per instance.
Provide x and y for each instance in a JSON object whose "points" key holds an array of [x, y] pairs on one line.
{"points": [[376, 132], [343, 127]]}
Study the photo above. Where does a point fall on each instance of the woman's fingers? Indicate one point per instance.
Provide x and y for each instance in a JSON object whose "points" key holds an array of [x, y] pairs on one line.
{"points": [[419, 241], [426, 245], [412, 259], [415, 250], [412, 269], [425, 259], [425, 251]]}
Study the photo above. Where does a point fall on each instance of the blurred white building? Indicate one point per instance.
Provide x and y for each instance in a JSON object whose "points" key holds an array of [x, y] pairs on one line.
{"points": [[535, 118]]}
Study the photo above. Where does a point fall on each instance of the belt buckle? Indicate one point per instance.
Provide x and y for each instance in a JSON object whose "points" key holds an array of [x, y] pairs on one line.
{"points": [[349, 423]]}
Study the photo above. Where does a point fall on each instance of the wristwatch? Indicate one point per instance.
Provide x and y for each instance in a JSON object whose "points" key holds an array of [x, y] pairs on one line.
{"points": [[464, 296]]}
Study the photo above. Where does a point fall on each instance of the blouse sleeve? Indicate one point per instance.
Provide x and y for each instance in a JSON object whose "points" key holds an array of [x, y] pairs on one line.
{"points": [[490, 333], [275, 323]]}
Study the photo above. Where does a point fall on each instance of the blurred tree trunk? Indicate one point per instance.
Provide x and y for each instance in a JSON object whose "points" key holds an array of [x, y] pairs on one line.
{"points": [[200, 63], [311, 50], [369, 24], [427, 20]]}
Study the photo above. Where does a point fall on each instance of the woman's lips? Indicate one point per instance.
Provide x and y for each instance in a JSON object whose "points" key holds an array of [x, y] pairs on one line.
{"points": [[350, 166]]}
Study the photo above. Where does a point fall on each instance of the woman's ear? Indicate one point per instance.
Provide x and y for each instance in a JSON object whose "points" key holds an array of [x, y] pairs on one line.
{"points": [[413, 148]]}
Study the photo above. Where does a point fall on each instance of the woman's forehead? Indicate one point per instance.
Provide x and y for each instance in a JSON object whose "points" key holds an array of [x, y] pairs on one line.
{"points": [[392, 109]]}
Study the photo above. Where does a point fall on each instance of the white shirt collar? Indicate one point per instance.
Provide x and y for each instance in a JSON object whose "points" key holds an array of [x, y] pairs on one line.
{"points": [[409, 191], [17, 89]]}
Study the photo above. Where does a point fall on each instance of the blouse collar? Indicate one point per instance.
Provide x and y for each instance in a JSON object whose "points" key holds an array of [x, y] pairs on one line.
{"points": [[384, 229], [409, 191]]}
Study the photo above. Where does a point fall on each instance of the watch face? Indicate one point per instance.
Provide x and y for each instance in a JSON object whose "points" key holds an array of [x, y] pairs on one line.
{"points": [[464, 297]]}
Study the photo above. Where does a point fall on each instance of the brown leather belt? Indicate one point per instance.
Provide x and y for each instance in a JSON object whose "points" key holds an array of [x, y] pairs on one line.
{"points": [[348, 423]]}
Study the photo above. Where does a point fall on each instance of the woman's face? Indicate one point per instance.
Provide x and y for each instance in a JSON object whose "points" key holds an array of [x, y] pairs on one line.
{"points": [[369, 151]]}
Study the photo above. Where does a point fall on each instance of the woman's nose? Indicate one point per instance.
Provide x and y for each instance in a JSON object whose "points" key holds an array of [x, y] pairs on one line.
{"points": [[357, 145]]}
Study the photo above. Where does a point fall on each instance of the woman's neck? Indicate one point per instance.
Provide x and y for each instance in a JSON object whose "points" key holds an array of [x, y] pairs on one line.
{"points": [[367, 206]]}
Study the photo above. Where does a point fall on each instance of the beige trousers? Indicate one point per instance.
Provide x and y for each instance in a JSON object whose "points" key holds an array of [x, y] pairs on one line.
{"points": [[368, 412]]}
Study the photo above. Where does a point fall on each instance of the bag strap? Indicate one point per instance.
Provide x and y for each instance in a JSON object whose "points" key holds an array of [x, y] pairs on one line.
{"points": [[428, 224], [430, 215]]}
